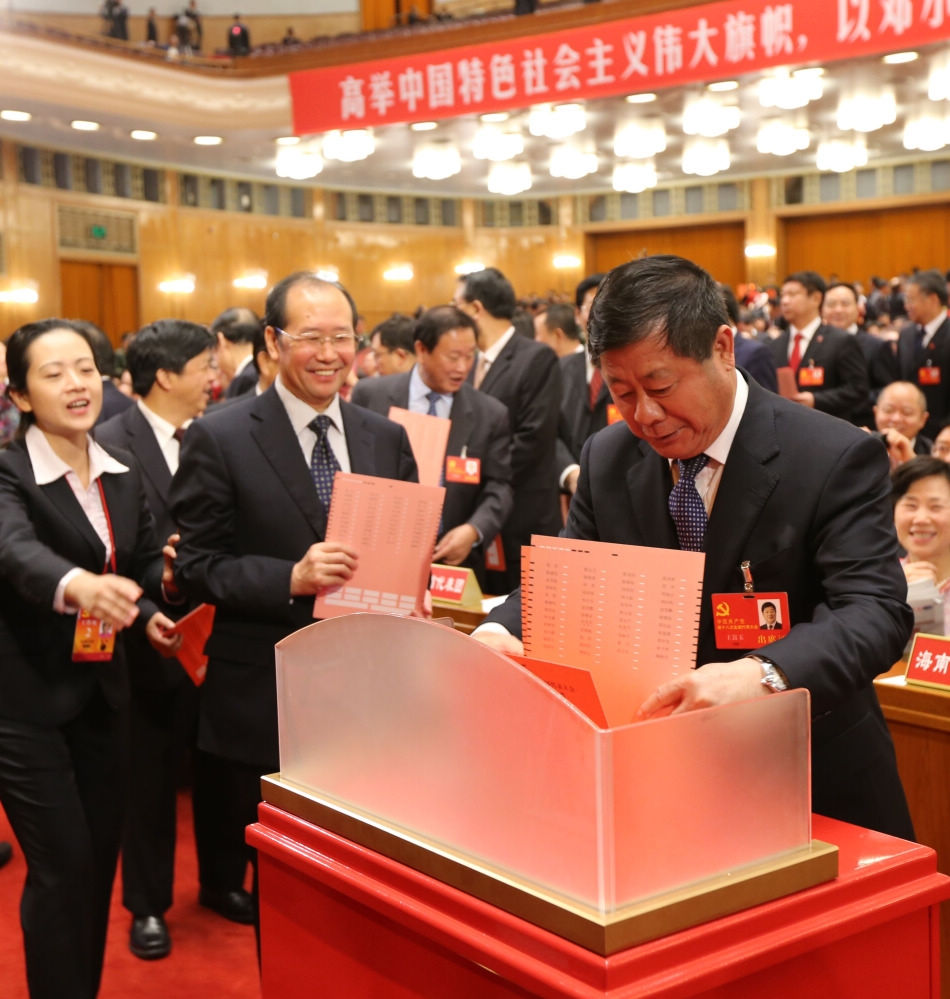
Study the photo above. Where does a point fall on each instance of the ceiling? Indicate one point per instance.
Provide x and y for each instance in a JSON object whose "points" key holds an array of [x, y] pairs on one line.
{"points": [[57, 83]]}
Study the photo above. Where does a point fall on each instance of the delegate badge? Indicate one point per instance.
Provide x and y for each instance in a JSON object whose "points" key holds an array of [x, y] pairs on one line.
{"points": [[928, 375], [811, 377], [94, 640], [749, 620], [468, 471]]}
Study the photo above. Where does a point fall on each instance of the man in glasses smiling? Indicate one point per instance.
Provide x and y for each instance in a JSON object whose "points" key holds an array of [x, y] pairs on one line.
{"points": [[251, 499]]}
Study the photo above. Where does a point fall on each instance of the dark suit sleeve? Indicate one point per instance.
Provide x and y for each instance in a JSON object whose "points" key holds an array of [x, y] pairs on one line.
{"points": [[851, 375], [210, 566], [536, 418], [760, 365], [861, 621], [495, 498]]}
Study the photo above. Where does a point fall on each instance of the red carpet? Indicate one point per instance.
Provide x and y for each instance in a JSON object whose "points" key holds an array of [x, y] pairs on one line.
{"points": [[210, 956]]}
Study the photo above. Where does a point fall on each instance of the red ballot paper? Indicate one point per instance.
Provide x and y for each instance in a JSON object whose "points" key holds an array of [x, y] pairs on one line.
{"points": [[576, 685], [787, 386], [195, 628], [392, 525], [428, 438]]}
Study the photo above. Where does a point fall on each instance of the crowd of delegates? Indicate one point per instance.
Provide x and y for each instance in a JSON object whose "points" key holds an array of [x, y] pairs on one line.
{"points": [[231, 434]]}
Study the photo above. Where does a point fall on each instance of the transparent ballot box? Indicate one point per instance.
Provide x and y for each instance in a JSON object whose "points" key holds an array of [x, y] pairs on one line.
{"points": [[427, 745]]}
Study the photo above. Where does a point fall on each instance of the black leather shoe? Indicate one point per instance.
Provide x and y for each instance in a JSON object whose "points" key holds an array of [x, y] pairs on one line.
{"points": [[238, 906], [6, 852], [148, 938]]}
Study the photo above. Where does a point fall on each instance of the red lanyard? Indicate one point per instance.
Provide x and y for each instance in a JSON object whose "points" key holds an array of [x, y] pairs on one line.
{"points": [[105, 510]]}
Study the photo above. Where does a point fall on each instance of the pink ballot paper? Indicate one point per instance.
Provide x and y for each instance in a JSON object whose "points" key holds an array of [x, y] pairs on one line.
{"points": [[428, 438], [628, 614], [194, 629], [392, 525]]}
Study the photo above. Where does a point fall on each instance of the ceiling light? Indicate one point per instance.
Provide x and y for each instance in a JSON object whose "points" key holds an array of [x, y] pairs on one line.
{"points": [[494, 117], [24, 293], [896, 58], [350, 145], [723, 86], [436, 161], [143, 135], [288, 140], [251, 281], [509, 178], [927, 131], [705, 157], [469, 267], [295, 163], [84, 126], [938, 79], [556, 121], [566, 261], [327, 274], [572, 163], [10, 115], [781, 138], [634, 177], [841, 155], [182, 285], [639, 140], [790, 91], [423, 126], [867, 109], [758, 251], [491, 143], [208, 140], [402, 272], [708, 117], [645, 98]]}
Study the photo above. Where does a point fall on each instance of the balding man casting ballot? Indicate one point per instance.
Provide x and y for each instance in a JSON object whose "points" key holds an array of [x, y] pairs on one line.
{"points": [[802, 497]]}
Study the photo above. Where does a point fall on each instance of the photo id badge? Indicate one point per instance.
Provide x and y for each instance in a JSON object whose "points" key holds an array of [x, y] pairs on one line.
{"points": [[468, 471], [811, 377], [928, 375], [94, 640], [749, 620], [613, 414]]}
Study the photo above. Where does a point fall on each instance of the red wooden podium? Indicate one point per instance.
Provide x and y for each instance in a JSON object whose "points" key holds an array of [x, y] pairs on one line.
{"points": [[341, 920]]}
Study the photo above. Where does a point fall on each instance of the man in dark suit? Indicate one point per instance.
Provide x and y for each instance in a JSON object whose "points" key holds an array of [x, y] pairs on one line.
{"points": [[524, 376], [753, 356], [474, 512], [923, 351], [804, 500], [252, 522], [829, 367], [171, 363], [235, 331]]}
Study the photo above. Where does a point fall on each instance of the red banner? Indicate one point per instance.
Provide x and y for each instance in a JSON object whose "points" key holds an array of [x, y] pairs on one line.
{"points": [[713, 41]]}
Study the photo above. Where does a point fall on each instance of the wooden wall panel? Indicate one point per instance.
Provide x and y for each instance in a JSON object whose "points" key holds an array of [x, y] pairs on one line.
{"points": [[856, 245], [719, 247], [104, 293], [27, 220]]}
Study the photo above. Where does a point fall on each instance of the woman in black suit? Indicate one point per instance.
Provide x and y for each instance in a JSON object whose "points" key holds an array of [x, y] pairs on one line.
{"points": [[77, 545]]}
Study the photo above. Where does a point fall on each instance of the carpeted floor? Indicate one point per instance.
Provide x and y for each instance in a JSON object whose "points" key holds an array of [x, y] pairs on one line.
{"points": [[210, 956]]}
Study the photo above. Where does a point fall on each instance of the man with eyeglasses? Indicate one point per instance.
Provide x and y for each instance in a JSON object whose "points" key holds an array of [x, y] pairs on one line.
{"points": [[251, 499]]}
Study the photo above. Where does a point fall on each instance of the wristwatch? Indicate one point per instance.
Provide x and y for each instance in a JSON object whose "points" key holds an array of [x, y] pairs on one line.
{"points": [[773, 678]]}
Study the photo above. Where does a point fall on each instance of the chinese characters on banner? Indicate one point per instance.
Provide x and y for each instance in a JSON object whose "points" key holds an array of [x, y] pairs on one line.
{"points": [[619, 57]]}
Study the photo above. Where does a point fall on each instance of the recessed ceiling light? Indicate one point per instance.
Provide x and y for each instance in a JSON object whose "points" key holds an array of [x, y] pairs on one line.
{"points": [[896, 58], [15, 115], [143, 135], [85, 126], [208, 140], [723, 86], [644, 98], [423, 126], [494, 117], [288, 140]]}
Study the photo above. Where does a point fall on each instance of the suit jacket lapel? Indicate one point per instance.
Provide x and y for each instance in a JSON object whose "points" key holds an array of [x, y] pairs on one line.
{"points": [[273, 433], [646, 480], [61, 495], [501, 362], [463, 423], [148, 453], [360, 442]]}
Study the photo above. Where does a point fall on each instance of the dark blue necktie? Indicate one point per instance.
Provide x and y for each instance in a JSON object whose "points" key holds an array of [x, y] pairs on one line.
{"points": [[433, 398], [686, 505], [323, 463]]}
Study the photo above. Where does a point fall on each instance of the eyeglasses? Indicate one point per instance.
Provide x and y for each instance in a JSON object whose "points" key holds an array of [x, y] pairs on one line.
{"points": [[338, 341]]}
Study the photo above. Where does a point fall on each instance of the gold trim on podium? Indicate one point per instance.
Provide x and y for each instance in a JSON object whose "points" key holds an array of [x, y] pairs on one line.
{"points": [[602, 933]]}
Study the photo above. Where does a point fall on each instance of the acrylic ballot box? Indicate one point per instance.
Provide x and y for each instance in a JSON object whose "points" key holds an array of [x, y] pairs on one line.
{"points": [[433, 750]]}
